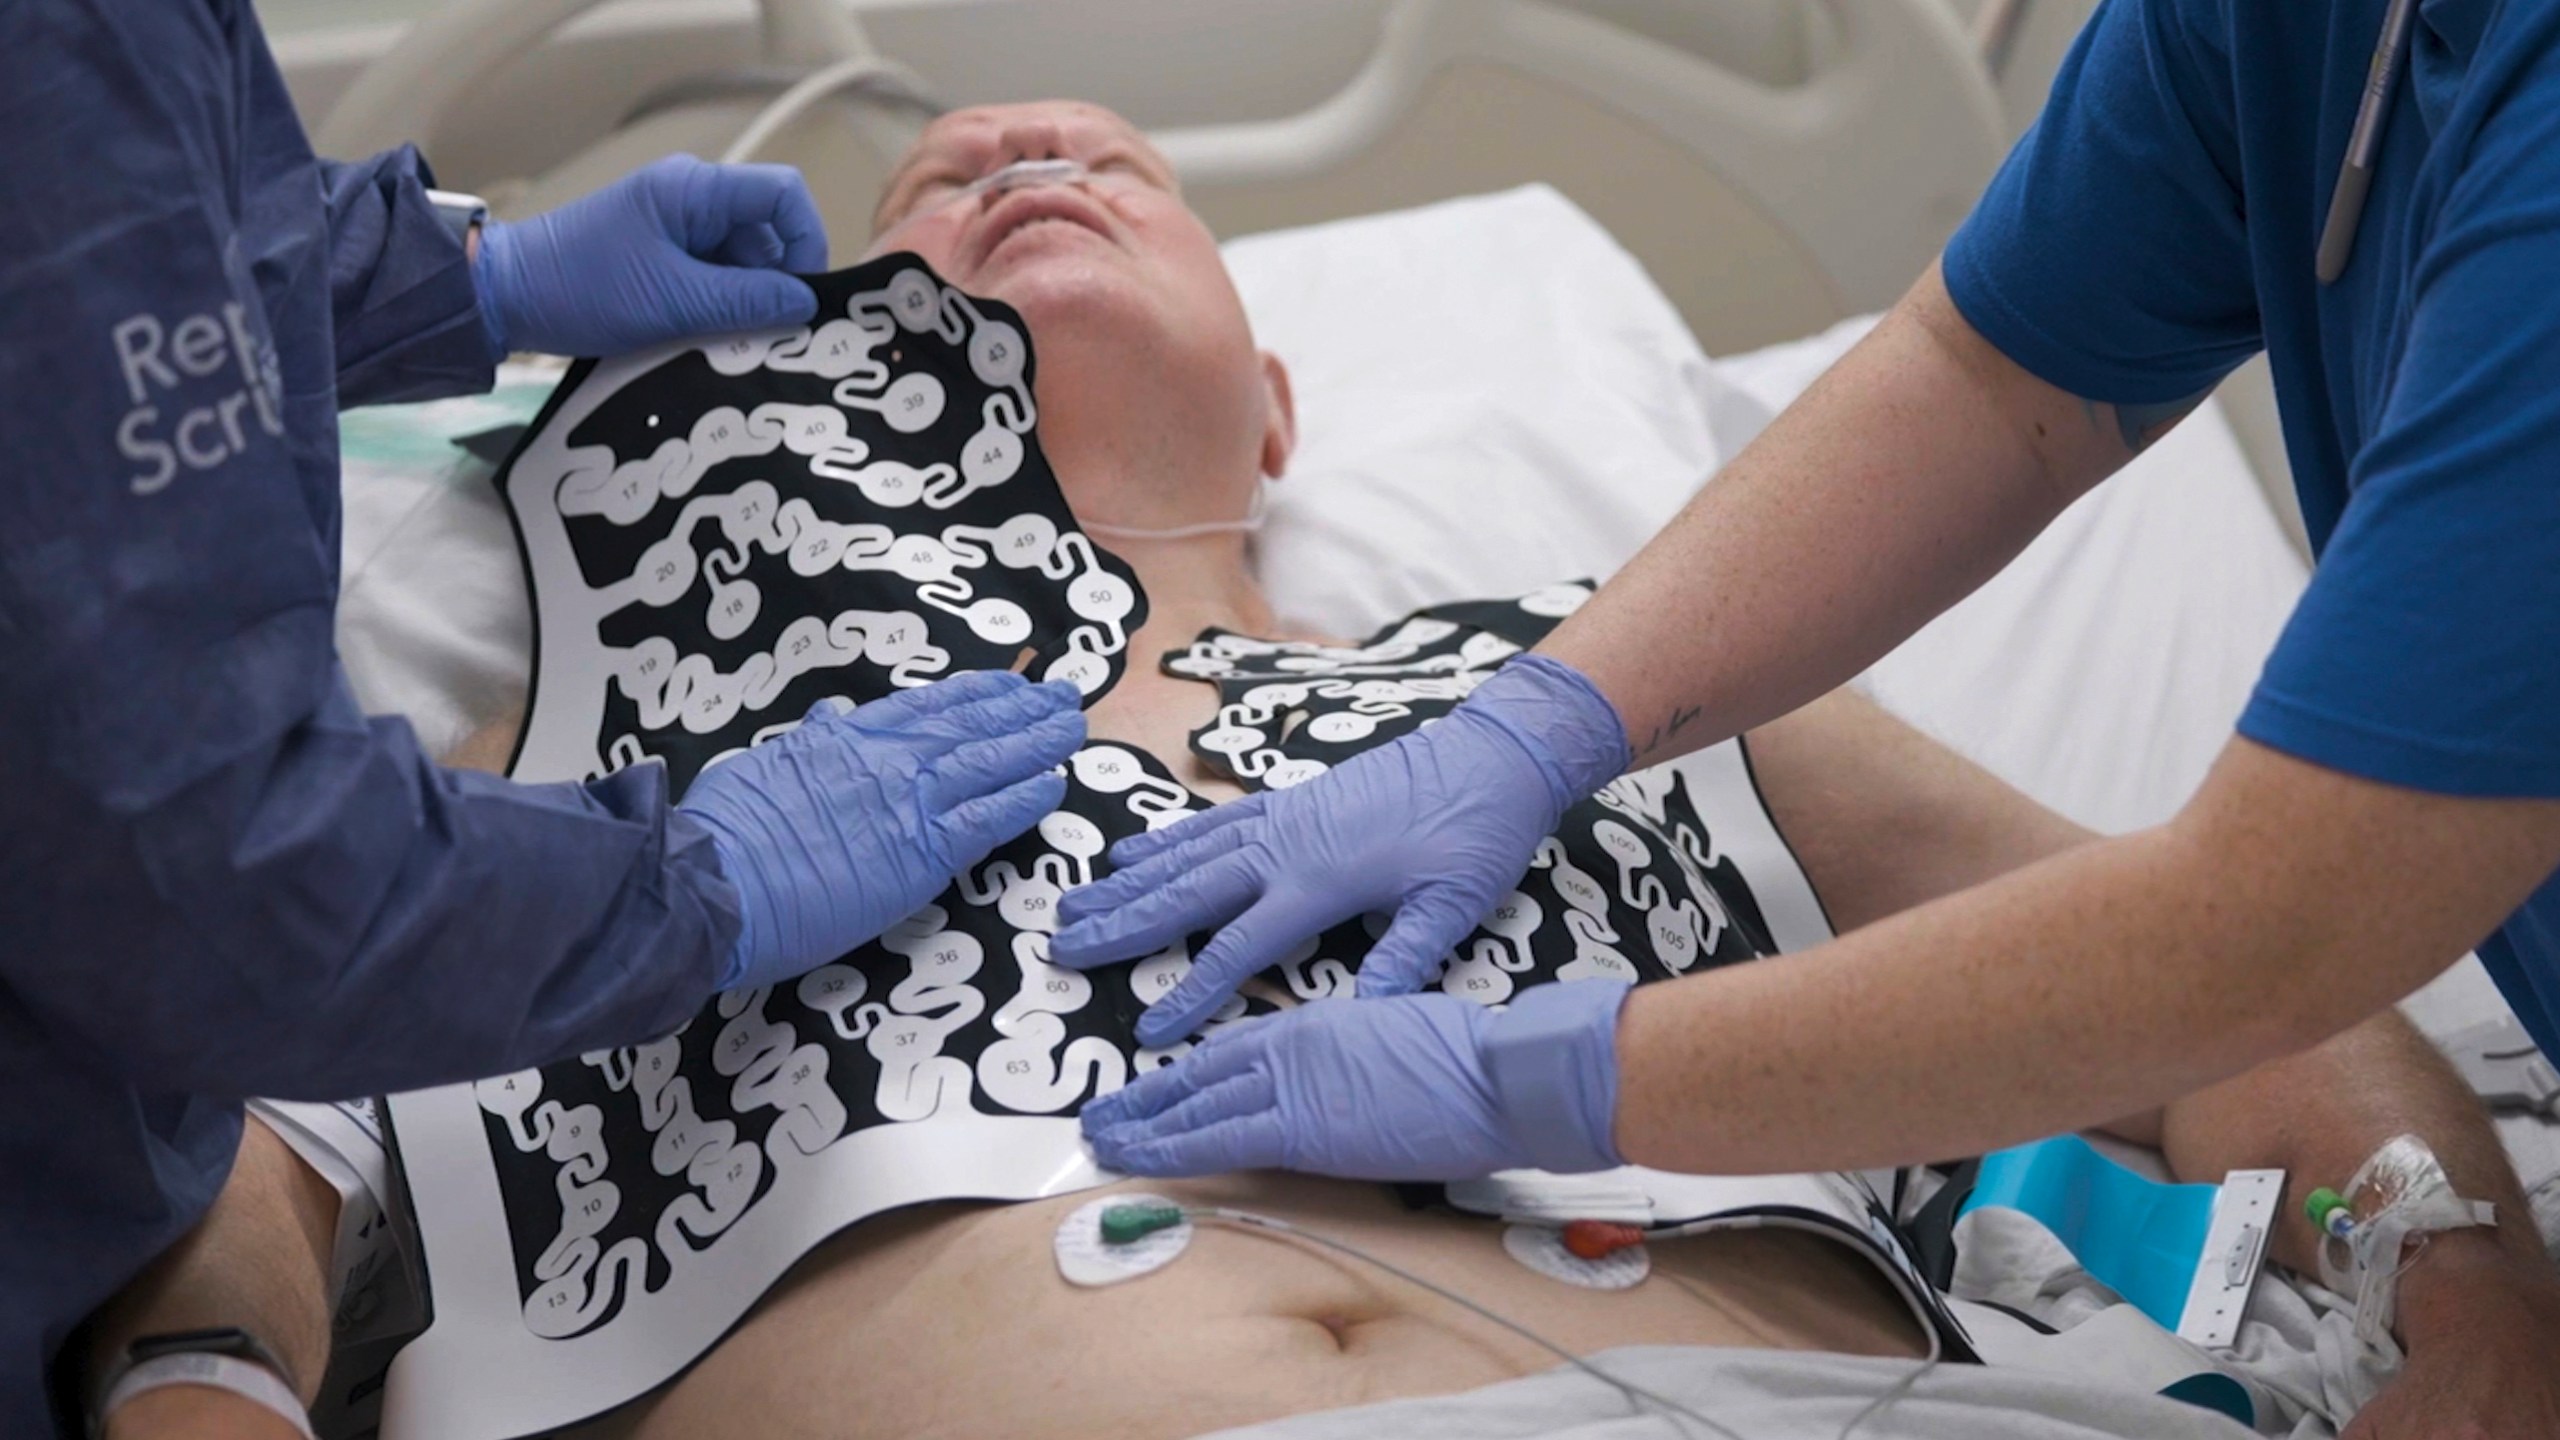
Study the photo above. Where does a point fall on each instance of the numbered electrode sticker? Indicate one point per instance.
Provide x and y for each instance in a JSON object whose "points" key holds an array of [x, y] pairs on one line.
{"points": [[1542, 1249], [1087, 1259]]}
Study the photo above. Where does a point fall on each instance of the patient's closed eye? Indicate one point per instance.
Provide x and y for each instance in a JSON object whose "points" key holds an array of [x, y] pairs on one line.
{"points": [[1124, 168]]}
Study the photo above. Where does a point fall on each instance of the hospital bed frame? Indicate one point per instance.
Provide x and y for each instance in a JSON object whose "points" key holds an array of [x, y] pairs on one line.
{"points": [[1776, 165]]}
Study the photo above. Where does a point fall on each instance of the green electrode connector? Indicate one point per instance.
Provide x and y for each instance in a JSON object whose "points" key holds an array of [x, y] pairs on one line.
{"points": [[2322, 1205], [1130, 1223]]}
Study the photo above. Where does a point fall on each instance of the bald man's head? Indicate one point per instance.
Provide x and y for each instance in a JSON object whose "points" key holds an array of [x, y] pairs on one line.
{"points": [[1147, 366]]}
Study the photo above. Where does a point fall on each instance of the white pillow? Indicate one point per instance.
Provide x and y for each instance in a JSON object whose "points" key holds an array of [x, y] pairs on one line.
{"points": [[1492, 395]]}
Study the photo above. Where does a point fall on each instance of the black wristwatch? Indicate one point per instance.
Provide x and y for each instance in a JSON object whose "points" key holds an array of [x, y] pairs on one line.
{"points": [[227, 1342]]}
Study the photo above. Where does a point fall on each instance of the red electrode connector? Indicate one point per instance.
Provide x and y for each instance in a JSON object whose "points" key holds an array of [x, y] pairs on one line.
{"points": [[1599, 1239]]}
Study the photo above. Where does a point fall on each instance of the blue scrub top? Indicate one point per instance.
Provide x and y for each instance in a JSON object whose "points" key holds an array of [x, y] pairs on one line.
{"points": [[217, 877], [2158, 226]]}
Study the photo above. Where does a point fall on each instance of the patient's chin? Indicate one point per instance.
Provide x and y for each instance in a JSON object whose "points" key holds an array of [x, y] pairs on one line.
{"points": [[1091, 322], [1060, 288]]}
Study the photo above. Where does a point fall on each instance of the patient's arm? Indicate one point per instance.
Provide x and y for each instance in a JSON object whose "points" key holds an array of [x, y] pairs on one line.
{"points": [[2320, 1113], [1883, 819], [258, 1261], [2479, 1310]]}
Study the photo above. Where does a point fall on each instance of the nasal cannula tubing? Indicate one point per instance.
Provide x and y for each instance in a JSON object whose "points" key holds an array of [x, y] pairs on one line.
{"points": [[1125, 1224]]}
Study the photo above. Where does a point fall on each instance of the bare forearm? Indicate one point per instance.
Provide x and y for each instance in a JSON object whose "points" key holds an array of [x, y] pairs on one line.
{"points": [[1884, 819], [2099, 982], [2053, 999], [1904, 478], [257, 1262]]}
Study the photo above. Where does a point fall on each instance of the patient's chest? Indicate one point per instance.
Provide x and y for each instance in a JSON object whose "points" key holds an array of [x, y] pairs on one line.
{"points": [[715, 538], [953, 1319], [621, 1172]]}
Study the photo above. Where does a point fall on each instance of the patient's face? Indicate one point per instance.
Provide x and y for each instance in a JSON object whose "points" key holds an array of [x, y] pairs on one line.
{"points": [[1042, 245], [1129, 303]]}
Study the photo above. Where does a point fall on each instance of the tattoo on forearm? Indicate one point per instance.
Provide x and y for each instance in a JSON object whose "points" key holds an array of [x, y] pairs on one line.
{"points": [[2139, 425], [1681, 719]]}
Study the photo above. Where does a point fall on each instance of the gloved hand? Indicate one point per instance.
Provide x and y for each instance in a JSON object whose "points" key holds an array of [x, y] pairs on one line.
{"points": [[844, 827], [1419, 1087], [1436, 827], [679, 248]]}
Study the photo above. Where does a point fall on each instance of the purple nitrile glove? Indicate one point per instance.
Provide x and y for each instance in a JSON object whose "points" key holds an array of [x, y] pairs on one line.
{"points": [[1436, 827], [1417, 1087], [842, 828], [678, 248]]}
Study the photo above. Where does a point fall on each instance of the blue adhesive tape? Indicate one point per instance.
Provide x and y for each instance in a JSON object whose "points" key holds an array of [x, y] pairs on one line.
{"points": [[2143, 1239]]}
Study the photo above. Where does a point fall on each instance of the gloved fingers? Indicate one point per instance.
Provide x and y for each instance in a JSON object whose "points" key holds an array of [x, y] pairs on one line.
{"points": [[983, 766], [1094, 905], [1247, 1142], [1244, 948], [1186, 1095], [996, 716], [753, 247], [723, 198], [817, 725], [1189, 900], [713, 299], [1426, 928], [971, 830], [903, 708], [1156, 1091], [1136, 849]]}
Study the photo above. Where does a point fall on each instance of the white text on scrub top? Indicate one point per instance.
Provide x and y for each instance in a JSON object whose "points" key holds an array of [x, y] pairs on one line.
{"points": [[157, 358]]}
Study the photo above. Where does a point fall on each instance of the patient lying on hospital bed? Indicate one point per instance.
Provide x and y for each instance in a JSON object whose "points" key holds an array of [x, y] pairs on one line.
{"points": [[1158, 415]]}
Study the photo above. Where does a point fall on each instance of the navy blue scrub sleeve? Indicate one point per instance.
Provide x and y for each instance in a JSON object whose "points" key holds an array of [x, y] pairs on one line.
{"points": [[2110, 256], [2426, 652], [222, 879], [400, 294]]}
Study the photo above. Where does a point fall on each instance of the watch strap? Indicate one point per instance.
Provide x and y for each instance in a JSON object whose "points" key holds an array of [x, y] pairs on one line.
{"points": [[459, 212]]}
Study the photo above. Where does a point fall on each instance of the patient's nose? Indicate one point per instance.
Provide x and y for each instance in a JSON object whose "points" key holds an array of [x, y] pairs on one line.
{"points": [[1030, 140]]}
